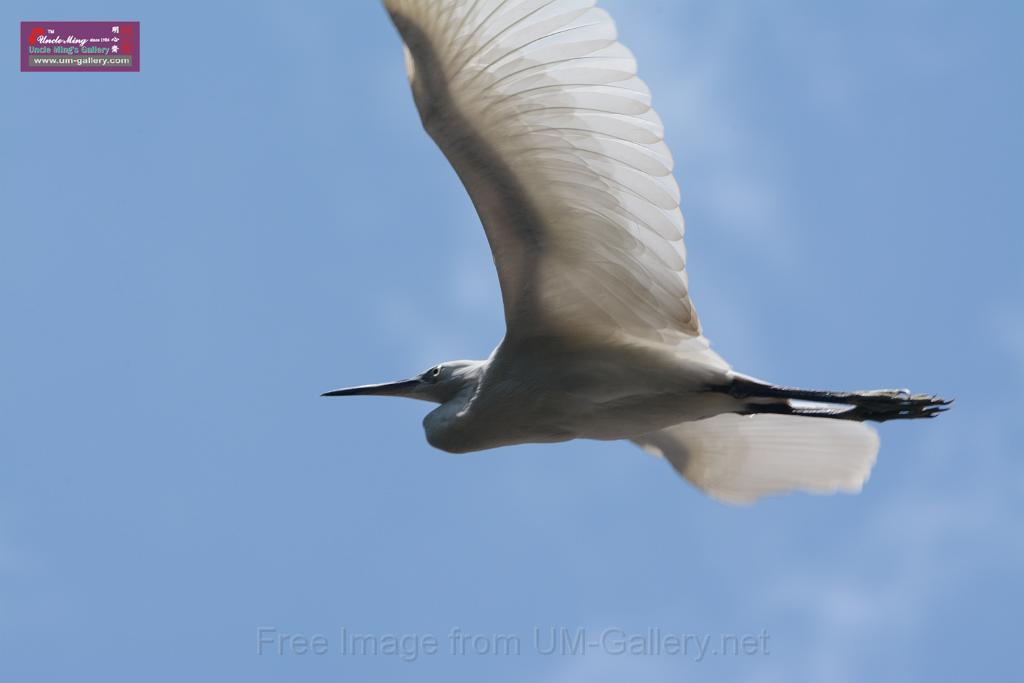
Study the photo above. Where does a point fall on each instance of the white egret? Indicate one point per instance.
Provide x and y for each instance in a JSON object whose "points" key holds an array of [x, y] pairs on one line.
{"points": [[540, 111]]}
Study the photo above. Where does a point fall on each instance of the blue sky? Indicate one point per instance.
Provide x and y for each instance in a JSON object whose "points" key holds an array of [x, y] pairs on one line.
{"points": [[191, 254]]}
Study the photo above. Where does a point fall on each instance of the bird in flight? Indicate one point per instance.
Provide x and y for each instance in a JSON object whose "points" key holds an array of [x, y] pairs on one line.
{"points": [[540, 111]]}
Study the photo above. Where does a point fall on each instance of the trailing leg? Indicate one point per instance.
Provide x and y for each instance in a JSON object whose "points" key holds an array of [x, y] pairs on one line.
{"points": [[878, 406]]}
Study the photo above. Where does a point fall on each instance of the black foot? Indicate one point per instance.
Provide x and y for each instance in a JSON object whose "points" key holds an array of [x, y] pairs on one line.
{"points": [[881, 406]]}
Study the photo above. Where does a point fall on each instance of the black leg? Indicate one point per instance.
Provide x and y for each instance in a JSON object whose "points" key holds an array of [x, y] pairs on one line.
{"points": [[878, 406]]}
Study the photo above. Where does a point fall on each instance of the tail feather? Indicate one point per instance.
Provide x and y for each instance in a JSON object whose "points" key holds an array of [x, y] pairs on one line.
{"points": [[740, 458]]}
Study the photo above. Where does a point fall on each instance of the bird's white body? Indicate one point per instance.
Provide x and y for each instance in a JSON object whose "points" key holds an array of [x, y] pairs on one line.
{"points": [[548, 389], [540, 112]]}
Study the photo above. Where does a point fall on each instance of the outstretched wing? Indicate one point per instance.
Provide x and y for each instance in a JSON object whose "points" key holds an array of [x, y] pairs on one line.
{"points": [[540, 111], [739, 458]]}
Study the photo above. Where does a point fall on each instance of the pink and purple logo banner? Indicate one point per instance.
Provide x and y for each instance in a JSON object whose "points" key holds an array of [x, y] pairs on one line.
{"points": [[79, 46]]}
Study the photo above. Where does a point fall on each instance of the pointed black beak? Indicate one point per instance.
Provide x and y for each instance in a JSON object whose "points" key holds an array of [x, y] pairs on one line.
{"points": [[387, 389]]}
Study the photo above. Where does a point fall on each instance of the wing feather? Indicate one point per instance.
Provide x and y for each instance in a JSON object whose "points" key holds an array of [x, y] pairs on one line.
{"points": [[541, 113], [740, 458]]}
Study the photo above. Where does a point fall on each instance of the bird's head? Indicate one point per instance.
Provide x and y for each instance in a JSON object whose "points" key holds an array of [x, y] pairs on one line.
{"points": [[438, 384]]}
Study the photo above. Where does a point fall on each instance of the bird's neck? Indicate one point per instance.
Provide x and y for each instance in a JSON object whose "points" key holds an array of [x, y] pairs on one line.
{"points": [[445, 426]]}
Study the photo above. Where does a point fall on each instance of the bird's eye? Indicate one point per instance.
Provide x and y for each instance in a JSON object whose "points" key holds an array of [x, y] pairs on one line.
{"points": [[436, 372]]}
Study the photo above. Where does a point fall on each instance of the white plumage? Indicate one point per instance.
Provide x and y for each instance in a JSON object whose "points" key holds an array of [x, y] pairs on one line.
{"points": [[540, 112], [548, 88], [739, 458]]}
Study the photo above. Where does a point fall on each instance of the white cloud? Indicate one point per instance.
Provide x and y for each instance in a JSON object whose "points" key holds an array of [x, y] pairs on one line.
{"points": [[935, 536]]}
